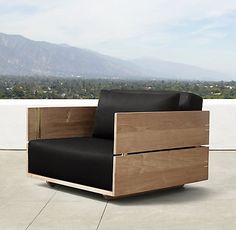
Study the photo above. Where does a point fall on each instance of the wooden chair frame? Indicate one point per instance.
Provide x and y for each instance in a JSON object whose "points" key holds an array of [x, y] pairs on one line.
{"points": [[152, 150]]}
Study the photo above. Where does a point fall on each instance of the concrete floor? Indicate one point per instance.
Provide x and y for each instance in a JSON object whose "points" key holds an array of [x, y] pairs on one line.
{"points": [[26, 203]]}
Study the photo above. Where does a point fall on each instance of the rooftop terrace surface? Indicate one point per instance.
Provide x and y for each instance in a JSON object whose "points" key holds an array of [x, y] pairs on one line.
{"points": [[27, 203]]}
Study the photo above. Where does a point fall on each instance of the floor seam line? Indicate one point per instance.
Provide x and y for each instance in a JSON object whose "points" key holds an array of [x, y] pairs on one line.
{"points": [[41, 210], [100, 220]]}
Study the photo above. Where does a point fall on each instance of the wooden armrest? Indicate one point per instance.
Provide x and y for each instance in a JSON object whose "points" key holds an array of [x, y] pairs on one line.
{"points": [[57, 122], [151, 131]]}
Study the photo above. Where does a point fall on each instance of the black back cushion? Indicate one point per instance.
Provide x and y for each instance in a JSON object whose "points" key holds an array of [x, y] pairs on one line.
{"points": [[190, 101], [187, 101], [112, 101]]}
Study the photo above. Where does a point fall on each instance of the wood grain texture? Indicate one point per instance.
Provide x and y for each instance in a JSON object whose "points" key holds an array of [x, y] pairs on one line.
{"points": [[58, 122], [33, 123], [150, 131], [137, 173]]}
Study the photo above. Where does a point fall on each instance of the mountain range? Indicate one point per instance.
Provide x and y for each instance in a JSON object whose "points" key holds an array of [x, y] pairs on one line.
{"points": [[24, 57]]}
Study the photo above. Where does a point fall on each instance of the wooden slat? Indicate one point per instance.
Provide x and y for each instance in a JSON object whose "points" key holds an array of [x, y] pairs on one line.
{"points": [[58, 122], [33, 123], [138, 173], [149, 131]]}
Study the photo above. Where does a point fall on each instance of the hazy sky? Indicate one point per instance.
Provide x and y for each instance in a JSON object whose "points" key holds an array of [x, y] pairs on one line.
{"points": [[199, 32]]}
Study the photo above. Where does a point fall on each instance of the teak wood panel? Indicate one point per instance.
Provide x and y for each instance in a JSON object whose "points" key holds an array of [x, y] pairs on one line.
{"points": [[33, 124], [150, 131], [57, 122], [137, 173]]}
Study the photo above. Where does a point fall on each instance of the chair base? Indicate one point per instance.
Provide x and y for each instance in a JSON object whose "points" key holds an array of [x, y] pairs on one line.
{"points": [[52, 181], [110, 198], [150, 172], [51, 184]]}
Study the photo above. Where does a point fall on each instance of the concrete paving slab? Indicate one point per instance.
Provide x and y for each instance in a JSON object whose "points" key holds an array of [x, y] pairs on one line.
{"points": [[71, 210], [169, 215], [18, 215]]}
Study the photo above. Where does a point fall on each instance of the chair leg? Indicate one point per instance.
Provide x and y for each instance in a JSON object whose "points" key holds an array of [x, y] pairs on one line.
{"points": [[180, 186], [109, 197], [50, 184]]}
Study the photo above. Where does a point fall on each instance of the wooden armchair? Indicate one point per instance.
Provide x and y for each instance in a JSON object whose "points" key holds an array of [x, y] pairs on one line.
{"points": [[149, 150]]}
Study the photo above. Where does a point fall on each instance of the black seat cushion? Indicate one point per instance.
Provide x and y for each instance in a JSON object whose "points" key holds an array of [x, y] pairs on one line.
{"points": [[112, 101], [82, 160]]}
